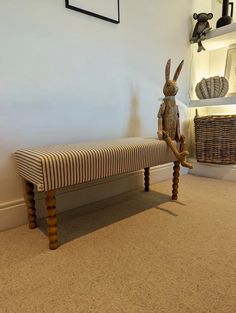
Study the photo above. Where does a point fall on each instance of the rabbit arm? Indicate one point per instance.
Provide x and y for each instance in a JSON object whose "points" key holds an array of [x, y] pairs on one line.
{"points": [[160, 121], [178, 134]]}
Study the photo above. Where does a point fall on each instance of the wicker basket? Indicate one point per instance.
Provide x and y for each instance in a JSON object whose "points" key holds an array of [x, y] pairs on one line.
{"points": [[215, 138]]}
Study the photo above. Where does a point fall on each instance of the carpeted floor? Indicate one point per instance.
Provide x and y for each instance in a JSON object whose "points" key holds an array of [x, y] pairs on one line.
{"points": [[137, 253]]}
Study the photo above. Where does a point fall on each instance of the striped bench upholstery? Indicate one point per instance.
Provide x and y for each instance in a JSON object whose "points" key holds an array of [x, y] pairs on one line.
{"points": [[53, 167], [58, 166]]}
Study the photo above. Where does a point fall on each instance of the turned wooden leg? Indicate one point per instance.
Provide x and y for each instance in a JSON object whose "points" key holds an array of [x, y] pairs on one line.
{"points": [[146, 179], [30, 203], [175, 185], [52, 219]]}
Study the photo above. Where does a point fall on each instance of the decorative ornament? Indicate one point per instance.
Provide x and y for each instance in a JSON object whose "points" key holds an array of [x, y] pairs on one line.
{"points": [[201, 29], [212, 87], [168, 118], [226, 19]]}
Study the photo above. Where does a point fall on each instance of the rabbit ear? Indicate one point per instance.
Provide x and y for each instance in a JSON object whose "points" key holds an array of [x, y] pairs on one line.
{"points": [[168, 70], [177, 72]]}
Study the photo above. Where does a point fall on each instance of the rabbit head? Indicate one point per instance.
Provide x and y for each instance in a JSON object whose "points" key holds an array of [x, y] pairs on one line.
{"points": [[170, 87]]}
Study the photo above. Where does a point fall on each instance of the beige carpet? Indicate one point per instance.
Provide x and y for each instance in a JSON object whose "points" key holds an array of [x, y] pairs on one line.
{"points": [[138, 252]]}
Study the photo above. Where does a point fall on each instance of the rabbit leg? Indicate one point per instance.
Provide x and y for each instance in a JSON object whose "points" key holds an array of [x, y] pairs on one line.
{"points": [[182, 148], [180, 156]]}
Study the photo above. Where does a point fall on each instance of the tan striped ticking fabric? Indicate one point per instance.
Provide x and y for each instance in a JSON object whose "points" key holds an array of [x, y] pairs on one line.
{"points": [[58, 166]]}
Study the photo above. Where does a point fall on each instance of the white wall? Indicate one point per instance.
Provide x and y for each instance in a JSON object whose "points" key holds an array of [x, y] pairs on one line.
{"points": [[68, 77]]}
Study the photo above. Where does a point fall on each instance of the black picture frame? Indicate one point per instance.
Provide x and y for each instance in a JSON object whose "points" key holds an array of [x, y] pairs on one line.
{"points": [[105, 18]]}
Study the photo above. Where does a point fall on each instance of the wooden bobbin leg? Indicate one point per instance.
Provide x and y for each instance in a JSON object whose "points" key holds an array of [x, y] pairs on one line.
{"points": [[52, 219], [146, 179], [175, 185], [30, 203]]}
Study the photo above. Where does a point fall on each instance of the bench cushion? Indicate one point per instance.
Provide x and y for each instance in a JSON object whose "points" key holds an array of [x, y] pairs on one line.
{"points": [[58, 166]]}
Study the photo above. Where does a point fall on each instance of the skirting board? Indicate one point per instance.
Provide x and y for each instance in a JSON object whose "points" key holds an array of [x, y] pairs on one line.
{"points": [[218, 171], [13, 213]]}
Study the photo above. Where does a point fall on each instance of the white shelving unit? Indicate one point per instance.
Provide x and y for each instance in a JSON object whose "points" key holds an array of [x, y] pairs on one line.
{"points": [[221, 37], [213, 102], [217, 40], [218, 171]]}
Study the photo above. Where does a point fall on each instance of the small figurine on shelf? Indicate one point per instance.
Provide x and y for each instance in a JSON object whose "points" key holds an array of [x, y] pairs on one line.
{"points": [[168, 117], [202, 27], [226, 19]]}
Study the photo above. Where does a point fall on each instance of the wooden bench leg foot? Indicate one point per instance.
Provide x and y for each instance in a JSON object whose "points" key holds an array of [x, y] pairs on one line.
{"points": [[52, 219], [146, 179], [175, 185], [30, 203]]}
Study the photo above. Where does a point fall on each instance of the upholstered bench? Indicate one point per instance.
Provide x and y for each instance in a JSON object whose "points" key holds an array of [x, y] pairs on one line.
{"points": [[53, 167]]}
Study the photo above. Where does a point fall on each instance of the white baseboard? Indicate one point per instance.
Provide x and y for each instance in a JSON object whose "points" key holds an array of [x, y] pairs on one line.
{"points": [[13, 214], [218, 171]]}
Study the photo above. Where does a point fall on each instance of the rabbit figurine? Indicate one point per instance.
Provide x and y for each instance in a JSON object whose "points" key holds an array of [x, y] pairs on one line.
{"points": [[168, 117]]}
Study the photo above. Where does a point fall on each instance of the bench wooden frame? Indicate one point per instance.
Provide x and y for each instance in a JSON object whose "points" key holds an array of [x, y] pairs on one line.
{"points": [[50, 201]]}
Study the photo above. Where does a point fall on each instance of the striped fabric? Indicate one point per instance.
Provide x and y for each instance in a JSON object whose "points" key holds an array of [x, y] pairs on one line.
{"points": [[58, 166]]}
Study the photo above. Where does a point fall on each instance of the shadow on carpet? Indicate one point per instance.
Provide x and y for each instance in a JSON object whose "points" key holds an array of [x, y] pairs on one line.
{"points": [[72, 224]]}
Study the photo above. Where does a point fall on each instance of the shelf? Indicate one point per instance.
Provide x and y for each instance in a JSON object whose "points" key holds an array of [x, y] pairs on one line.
{"points": [[218, 171], [220, 37], [213, 102]]}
